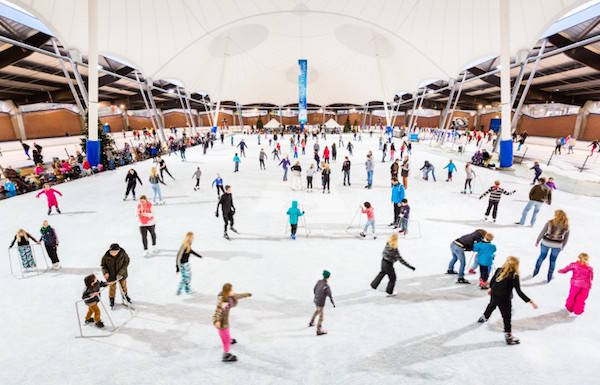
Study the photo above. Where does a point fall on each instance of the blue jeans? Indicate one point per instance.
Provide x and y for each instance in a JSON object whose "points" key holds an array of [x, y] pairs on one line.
{"points": [[369, 223], [186, 278], [237, 167], [403, 224], [427, 171], [458, 254], [370, 177], [285, 174], [156, 191], [536, 208], [554, 251]]}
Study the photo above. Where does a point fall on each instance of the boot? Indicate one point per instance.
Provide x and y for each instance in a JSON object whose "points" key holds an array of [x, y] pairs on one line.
{"points": [[321, 332], [362, 234], [233, 341], [233, 229], [112, 303], [99, 324], [311, 324], [471, 271], [228, 357], [127, 298], [58, 210], [482, 319], [49, 211], [462, 280], [452, 272], [225, 235], [510, 339], [89, 320]]}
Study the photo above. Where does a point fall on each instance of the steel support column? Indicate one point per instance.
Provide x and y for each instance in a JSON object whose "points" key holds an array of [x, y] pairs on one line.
{"points": [[515, 117], [155, 111], [69, 80], [506, 145]]}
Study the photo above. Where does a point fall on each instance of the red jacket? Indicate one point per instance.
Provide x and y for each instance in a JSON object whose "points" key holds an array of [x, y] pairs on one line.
{"points": [[144, 213], [326, 153]]}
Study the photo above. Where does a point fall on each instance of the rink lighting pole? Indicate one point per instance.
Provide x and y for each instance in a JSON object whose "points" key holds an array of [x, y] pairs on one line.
{"points": [[92, 145], [506, 145]]}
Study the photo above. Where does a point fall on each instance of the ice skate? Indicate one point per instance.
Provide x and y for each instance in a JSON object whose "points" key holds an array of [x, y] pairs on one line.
{"points": [[228, 357], [362, 234], [89, 321], [482, 319], [452, 272], [233, 229], [510, 339], [58, 210], [463, 281], [225, 235], [233, 341], [112, 304], [392, 295], [100, 324], [321, 332], [293, 237], [471, 271], [311, 324]]}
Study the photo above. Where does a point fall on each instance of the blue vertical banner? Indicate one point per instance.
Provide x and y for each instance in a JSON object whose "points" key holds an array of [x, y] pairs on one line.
{"points": [[302, 114]]}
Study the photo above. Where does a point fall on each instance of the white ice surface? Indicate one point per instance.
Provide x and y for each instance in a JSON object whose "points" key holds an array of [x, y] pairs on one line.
{"points": [[425, 335]]}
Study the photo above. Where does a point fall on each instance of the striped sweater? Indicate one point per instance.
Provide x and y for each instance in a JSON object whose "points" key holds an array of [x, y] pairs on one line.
{"points": [[496, 193]]}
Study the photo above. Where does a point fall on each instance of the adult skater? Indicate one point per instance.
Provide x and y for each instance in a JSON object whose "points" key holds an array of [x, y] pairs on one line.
{"points": [[285, 163], [321, 292], [309, 177], [404, 171], [333, 152], [197, 174], [538, 194], [367, 208], [131, 179], [114, 267], [350, 147], [383, 151], [226, 300], [296, 176], [398, 194], [24, 247], [182, 264], [243, 146], [388, 257], [294, 213], [50, 239], [458, 248], [581, 283], [346, 170], [503, 282], [325, 177], [470, 174], [219, 183], [26, 148], [495, 193], [146, 218], [262, 156], [552, 239], [326, 155], [228, 210], [50, 197], [369, 167], [163, 168], [154, 179]]}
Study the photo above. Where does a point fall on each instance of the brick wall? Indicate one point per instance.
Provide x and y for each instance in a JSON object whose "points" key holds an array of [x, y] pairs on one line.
{"points": [[116, 122], [6, 128], [51, 123], [552, 126]]}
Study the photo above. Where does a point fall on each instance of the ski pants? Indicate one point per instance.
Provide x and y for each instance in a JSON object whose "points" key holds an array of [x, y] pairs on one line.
{"points": [[505, 310], [93, 310], [492, 205], [347, 177], [387, 268], [458, 254], [536, 208], [112, 289], [554, 251], [228, 219], [144, 230], [130, 188], [225, 339], [318, 312], [576, 299], [186, 278], [51, 250]]}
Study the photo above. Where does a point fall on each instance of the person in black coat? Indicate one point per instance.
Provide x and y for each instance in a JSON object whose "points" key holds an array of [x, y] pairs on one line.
{"points": [[389, 256], [458, 248], [132, 178], [228, 210], [50, 240]]}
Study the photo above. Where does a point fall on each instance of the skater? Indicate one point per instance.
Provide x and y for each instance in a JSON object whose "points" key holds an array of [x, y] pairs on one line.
{"points": [[403, 216], [501, 286], [285, 163], [538, 194], [558, 146], [346, 170], [294, 213], [398, 194], [522, 139], [50, 239], [333, 152], [571, 145], [389, 256], [594, 145], [236, 163], [50, 197], [317, 161], [114, 267], [219, 183], [91, 297], [275, 153], [309, 177], [350, 147], [581, 283], [163, 168], [428, 168], [131, 178], [470, 174], [367, 208], [146, 218], [326, 155], [154, 180], [495, 194], [227, 299], [197, 174], [486, 251], [451, 168], [383, 151], [537, 170], [22, 238], [325, 177], [227, 209], [550, 183], [321, 292], [182, 264], [404, 171], [261, 159], [458, 248], [242, 145], [369, 167], [394, 169], [26, 148], [553, 238], [296, 176], [392, 150]]}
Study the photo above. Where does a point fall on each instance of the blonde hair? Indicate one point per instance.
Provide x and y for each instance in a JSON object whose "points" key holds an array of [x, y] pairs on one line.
{"points": [[509, 269], [20, 234], [187, 241], [583, 258], [560, 219], [393, 241], [226, 292], [153, 171], [489, 237]]}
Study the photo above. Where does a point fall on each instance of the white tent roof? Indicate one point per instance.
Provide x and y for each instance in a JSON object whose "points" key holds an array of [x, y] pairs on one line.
{"points": [[332, 124], [272, 124], [247, 51]]}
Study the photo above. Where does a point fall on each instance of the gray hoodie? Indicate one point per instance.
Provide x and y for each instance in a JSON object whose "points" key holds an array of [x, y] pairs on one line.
{"points": [[322, 291], [197, 174]]}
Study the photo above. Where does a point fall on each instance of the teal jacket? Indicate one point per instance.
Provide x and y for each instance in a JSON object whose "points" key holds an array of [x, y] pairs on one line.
{"points": [[294, 213]]}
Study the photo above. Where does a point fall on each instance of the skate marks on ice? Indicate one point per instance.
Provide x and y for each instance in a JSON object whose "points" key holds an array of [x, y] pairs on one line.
{"points": [[71, 213], [78, 271], [539, 322], [228, 255], [162, 253], [473, 222], [165, 343]]}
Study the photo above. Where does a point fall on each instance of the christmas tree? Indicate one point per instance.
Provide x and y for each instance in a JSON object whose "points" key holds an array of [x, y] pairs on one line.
{"points": [[347, 127], [106, 142], [259, 123]]}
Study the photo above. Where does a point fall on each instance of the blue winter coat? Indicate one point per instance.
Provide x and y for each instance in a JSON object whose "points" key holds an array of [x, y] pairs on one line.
{"points": [[294, 213], [236, 159], [485, 253], [397, 193], [451, 167]]}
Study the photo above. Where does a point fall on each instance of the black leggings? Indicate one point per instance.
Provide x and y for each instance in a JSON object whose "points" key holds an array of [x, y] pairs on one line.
{"points": [[197, 182], [294, 228], [144, 231], [325, 184], [468, 183], [51, 250], [309, 182], [505, 309], [492, 205], [220, 190], [484, 271], [130, 188], [167, 171], [228, 219], [387, 268]]}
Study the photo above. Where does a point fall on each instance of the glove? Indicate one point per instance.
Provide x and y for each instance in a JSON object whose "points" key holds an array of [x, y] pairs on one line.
{"points": [[413, 268], [217, 214], [177, 269], [302, 212]]}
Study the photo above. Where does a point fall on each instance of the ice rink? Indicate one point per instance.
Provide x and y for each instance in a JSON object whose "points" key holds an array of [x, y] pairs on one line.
{"points": [[426, 335]]}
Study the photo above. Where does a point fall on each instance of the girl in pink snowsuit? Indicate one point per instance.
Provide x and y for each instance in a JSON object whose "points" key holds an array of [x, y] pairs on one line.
{"points": [[581, 283], [50, 196]]}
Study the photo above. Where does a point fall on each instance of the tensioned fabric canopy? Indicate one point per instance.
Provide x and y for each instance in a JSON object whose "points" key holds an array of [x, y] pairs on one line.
{"points": [[272, 124], [247, 51]]}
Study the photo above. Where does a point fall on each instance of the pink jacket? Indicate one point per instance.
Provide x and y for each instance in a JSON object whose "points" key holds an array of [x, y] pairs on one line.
{"points": [[582, 274], [370, 213], [145, 220], [50, 196]]}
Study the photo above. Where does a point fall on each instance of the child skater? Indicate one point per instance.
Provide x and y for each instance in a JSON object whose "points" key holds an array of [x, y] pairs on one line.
{"points": [[389, 256], [309, 177], [325, 176], [50, 197], [503, 282], [50, 239], [227, 299], [294, 213], [321, 292], [22, 238], [581, 283], [91, 297], [236, 163], [366, 208], [550, 183], [451, 168], [403, 216], [537, 170], [219, 183], [182, 264], [470, 174], [495, 194], [197, 174], [485, 258]]}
